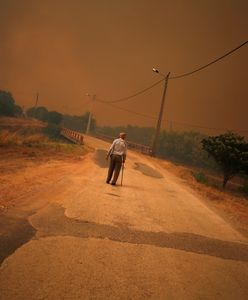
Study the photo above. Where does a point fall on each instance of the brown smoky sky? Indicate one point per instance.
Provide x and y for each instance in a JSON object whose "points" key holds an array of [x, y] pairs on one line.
{"points": [[63, 49]]}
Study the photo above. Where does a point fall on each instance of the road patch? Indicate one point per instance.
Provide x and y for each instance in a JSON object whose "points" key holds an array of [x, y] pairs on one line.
{"points": [[147, 170], [52, 221], [14, 233], [100, 158]]}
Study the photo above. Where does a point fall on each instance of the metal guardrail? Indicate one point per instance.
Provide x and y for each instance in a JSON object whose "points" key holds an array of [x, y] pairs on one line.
{"points": [[137, 147], [78, 138], [73, 136]]}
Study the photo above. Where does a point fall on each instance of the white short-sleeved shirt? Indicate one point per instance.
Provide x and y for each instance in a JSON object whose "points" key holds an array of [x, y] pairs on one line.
{"points": [[119, 147]]}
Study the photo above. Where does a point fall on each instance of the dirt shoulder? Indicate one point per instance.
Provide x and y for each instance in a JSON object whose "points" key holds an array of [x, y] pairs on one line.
{"points": [[25, 170], [232, 207]]}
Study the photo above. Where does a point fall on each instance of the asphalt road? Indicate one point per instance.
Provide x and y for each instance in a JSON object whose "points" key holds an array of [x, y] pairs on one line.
{"points": [[79, 238]]}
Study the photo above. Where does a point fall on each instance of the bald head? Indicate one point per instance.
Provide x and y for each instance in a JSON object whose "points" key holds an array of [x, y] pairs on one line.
{"points": [[122, 135]]}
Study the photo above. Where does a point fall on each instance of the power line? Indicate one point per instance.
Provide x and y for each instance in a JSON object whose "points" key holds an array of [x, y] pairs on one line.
{"points": [[209, 64], [171, 121], [177, 76], [135, 94], [205, 127], [127, 110]]}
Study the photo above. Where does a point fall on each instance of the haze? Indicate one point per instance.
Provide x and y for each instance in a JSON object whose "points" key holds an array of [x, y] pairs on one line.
{"points": [[65, 49]]}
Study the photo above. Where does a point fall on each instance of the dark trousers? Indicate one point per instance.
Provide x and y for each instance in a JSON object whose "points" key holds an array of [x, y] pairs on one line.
{"points": [[114, 166]]}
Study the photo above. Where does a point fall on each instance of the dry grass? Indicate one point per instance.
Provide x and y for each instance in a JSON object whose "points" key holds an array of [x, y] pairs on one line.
{"points": [[230, 203], [24, 138], [13, 124], [8, 138]]}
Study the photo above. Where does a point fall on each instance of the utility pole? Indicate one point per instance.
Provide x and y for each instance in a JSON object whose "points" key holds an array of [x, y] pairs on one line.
{"points": [[36, 102], [90, 113], [37, 99], [160, 116]]}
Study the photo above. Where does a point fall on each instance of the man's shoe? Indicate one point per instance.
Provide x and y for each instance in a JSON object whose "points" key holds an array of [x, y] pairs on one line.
{"points": [[107, 182], [113, 183]]}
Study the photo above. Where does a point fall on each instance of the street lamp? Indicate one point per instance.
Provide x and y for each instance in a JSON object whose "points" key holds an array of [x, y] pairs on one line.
{"points": [[160, 115], [92, 97]]}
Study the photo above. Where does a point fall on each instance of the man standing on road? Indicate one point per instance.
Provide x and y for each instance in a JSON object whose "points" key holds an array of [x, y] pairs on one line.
{"points": [[117, 154]]}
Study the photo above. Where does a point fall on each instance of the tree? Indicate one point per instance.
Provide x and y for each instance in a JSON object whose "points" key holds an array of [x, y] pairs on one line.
{"points": [[79, 123], [31, 112], [18, 112], [8, 106], [40, 113], [230, 151], [54, 117]]}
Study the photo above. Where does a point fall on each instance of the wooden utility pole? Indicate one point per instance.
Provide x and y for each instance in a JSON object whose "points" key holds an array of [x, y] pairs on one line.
{"points": [[90, 114], [37, 99], [160, 116]]}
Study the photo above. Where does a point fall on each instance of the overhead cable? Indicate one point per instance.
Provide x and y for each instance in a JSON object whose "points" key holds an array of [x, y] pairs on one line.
{"points": [[124, 109], [209, 64], [134, 95], [171, 121], [176, 77], [204, 127]]}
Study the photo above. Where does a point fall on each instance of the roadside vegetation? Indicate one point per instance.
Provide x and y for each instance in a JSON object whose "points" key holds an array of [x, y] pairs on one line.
{"points": [[8, 107], [211, 161], [37, 130], [37, 144], [210, 157], [230, 151]]}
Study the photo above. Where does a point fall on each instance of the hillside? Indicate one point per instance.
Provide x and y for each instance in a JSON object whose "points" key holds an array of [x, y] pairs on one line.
{"points": [[25, 149]]}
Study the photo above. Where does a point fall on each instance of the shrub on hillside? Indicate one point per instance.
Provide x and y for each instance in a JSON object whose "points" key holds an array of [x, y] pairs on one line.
{"points": [[40, 113], [200, 177], [8, 138], [54, 117], [52, 131]]}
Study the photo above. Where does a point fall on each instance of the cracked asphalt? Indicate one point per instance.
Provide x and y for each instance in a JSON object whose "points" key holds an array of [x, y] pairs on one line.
{"points": [[149, 239]]}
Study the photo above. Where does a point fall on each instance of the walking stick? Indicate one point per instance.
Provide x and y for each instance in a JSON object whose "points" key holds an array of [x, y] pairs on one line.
{"points": [[122, 170]]}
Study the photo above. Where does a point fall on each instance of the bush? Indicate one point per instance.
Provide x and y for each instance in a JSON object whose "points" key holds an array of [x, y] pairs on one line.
{"points": [[54, 117], [200, 177], [8, 138], [244, 188], [52, 131], [184, 147]]}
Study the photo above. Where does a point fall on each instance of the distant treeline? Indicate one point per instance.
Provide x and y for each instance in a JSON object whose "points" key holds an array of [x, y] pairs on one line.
{"points": [[55, 120], [184, 147], [136, 134], [43, 114], [8, 108], [180, 147], [79, 123], [227, 152]]}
